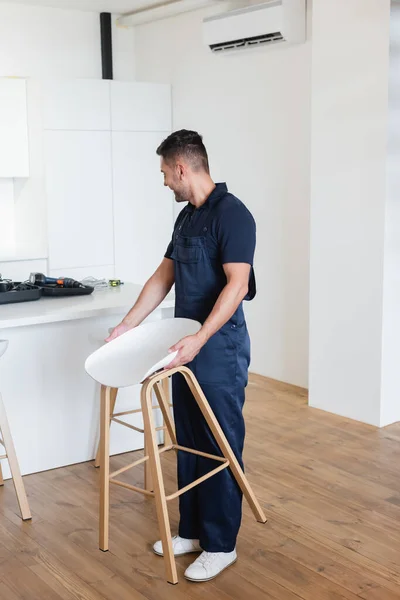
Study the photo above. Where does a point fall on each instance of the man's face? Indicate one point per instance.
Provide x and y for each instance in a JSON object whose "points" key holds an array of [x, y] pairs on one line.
{"points": [[175, 179]]}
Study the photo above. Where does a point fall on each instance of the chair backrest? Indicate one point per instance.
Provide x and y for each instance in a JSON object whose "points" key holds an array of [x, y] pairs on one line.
{"points": [[3, 346], [138, 353]]}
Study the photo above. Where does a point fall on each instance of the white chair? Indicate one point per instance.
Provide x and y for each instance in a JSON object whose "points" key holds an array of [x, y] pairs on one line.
{"points": [[141, 356], [8, 444]]}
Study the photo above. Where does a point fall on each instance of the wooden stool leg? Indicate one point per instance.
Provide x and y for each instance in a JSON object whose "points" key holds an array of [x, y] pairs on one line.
{"points": [[167, 436], [14, 466], [114, 393], [164, 406], [104, 467], [158, 483], [1, 476], [223, 444], [148, 480]]}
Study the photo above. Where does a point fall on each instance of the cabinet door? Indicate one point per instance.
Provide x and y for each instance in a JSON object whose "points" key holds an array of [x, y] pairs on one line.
{"points": [[76, 104], [79, 199], [140, 106], [14, 155], [143, 214]]}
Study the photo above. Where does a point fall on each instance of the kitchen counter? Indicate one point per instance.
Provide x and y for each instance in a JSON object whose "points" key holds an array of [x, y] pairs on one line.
{"points": [[103, 301], [51, 402]]}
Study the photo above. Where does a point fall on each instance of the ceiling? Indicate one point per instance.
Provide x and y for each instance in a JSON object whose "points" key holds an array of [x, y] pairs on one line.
{"points": [[116, 6]]}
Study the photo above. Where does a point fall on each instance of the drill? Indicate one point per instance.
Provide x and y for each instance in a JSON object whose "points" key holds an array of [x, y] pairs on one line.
{"points": [[66, 282]]}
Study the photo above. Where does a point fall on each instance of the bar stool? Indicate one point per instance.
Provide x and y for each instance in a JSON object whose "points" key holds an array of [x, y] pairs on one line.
{"points": [[8, 444], [141, 356], [115, 417]]}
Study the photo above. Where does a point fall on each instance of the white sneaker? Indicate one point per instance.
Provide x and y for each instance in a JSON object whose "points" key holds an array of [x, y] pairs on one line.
{"points": [[209, 565], [180, 546]]}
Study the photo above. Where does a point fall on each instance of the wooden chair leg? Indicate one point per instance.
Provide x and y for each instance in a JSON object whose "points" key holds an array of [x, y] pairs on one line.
{"points": [[1, 476], [114, 393], [164, 406], [223, 444], [14, 466], [104, 467], [158, 482]]}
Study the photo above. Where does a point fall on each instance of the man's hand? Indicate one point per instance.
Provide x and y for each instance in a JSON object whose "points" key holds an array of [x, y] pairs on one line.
{"points": [[118, 330], [188, 348]]}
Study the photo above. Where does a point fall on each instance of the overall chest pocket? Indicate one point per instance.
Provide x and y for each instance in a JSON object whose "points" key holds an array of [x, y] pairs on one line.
{"points": [[186, 254]]}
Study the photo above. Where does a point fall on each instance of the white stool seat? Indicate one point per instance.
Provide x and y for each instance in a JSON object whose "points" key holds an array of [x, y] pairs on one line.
{"points": [[135, 355]]}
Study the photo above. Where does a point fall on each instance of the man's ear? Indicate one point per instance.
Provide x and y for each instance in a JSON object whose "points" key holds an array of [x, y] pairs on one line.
{"points": [[180, 170]]}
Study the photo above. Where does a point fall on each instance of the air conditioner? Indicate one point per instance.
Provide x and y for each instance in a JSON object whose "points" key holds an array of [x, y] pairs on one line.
{"points": [[259, 25]]}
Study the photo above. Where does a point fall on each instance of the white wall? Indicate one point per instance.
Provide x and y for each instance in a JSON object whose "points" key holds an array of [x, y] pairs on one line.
{"points": [[348, 162], [390, 409], [254, 112], [39, 42], [48, 42]]}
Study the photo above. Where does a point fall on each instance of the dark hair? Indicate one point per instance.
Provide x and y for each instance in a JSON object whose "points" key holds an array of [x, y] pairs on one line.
{"points": [[188, 145]]}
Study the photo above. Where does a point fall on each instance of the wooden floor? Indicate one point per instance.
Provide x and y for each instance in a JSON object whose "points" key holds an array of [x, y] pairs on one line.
{"points": [[330, 488]]}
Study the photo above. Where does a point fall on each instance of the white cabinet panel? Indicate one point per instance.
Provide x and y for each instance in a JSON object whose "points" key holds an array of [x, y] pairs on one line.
{"points": [[80, 104], [142, 206], [7, 219], [79, 195], [140, 106], [14, 151]]}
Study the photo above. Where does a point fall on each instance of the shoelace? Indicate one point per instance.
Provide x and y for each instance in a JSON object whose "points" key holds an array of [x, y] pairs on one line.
{"points": [[206, 558]]}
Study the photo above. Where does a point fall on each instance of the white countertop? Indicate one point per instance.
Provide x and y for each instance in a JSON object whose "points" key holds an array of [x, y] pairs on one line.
{"points": [[106, 301]]}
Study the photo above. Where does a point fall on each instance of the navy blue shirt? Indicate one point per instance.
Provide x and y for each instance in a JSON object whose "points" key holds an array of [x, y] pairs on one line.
{"points": [[231, 232]]}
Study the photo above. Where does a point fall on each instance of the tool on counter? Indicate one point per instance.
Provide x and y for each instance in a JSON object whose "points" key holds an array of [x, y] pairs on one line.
{"points": [[65, 282], [16, 291], [115, 282], [58, 287]]}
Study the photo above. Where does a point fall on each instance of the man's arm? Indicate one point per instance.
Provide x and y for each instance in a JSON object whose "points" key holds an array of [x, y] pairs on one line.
{"points": [[237, 275], [153, 293]]}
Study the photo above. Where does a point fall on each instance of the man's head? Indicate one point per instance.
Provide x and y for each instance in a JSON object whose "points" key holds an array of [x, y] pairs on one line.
{"points": [[184, 162]]}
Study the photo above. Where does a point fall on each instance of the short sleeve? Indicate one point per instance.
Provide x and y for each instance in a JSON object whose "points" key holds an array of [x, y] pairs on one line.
{"points": [[236, 233], [170, 248]]}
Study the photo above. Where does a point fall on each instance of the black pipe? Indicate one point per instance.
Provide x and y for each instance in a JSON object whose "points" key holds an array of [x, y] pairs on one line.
{"points": [[106, 45]]}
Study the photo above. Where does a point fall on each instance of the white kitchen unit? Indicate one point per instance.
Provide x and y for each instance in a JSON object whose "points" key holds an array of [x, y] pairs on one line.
{"points": [[143, 212], [7, 231], [76, 104], [52, 404], [139, 106], [79, 193], [14, 150], [107, 208]]}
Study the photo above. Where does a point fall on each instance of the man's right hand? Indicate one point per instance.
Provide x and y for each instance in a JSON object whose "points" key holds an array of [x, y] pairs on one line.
{"points": [[117, 331]]}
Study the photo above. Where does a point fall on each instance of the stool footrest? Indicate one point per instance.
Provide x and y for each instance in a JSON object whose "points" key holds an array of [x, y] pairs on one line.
{"points": [[198, 481], [138, 462], [132, 487], [127, 425], [192, 451], [3, 456]]}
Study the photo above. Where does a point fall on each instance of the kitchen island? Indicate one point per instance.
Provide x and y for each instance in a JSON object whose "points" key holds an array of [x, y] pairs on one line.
{"points": [[52, 404]]}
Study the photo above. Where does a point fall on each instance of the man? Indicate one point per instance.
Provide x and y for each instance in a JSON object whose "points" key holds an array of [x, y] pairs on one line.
{"points": [[210, 260]]}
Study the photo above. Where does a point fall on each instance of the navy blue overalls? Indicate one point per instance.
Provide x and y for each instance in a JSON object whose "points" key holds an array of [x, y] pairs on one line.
{"points": [[212, 511]]}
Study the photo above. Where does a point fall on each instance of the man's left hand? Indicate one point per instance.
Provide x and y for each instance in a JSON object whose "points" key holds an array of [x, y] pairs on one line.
{"points": [[188, 347]]}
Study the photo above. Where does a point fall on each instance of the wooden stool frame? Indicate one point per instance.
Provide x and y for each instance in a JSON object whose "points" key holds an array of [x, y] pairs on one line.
{"points": [[152, 458], [8, 444]]}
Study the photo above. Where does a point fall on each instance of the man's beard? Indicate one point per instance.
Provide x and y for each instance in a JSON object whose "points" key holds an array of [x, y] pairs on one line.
{"points": [[179, 198]]}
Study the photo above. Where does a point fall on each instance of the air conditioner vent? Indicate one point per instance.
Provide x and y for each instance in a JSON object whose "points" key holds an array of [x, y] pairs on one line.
{"points": [[256, 40]]}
